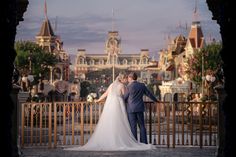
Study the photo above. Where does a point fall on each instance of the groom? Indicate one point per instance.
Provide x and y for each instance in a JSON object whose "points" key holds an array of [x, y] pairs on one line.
{"points": [[135, 105]]}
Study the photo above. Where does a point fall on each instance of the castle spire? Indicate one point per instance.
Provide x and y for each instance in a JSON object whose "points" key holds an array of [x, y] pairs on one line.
{"points": [[112, 19], [55, 26], [195, 12], [45, 9]]}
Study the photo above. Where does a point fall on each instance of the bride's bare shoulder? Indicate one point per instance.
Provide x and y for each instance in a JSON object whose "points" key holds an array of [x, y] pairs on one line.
{"points": [[121, 84]]}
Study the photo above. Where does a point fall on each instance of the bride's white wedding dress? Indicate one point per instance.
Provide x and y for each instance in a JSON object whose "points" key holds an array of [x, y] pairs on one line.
{"points": [[113, 132]]}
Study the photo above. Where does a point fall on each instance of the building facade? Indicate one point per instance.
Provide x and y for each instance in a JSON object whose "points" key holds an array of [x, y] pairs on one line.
{"points": [[113, 57], [173, 61], [52, 43]]}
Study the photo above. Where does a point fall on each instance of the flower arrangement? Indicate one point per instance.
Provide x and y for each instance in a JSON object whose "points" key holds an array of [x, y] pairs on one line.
{"points": [[91, 97]]}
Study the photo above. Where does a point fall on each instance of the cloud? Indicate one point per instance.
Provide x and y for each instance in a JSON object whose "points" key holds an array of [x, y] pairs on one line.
{"points": [[84, 24], [82, 30], [79, 30]]}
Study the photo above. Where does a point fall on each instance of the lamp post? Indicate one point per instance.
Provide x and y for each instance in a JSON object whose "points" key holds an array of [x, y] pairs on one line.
{"points": [[113, 61], [113, 66], [203, 78], [31, 79], [30, 62]]}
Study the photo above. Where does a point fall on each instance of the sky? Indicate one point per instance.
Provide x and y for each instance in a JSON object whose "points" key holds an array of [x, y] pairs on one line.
{"points": [[142, 24]]}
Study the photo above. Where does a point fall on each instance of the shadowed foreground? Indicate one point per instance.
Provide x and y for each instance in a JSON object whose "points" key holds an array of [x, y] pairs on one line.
{"points": [[158, 152]]}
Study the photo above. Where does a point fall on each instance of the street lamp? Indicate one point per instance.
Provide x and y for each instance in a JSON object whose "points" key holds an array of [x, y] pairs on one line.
{"points": [[30, 62], [114, 50], [203, 78], [27, 84], [113, 66]]}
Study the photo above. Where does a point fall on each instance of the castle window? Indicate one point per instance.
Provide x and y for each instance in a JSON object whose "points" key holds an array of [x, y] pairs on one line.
{"points": [[145, 61], [81, 60], [91, 62], [165, 60], [135, 61], [124, 62], [101, 61]]}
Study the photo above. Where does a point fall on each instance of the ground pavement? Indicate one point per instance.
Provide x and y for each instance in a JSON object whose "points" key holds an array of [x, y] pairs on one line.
{"points": [[183, 151]]}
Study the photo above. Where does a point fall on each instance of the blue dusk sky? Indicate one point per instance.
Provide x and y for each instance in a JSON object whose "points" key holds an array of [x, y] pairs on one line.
{"points": [[142, 24]]}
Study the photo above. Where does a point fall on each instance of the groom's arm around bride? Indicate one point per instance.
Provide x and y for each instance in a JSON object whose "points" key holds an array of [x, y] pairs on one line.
{"points": [[135, 105]]}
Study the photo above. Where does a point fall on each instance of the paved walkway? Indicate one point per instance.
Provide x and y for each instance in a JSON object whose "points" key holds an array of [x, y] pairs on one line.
{"points": [[187, 151]]}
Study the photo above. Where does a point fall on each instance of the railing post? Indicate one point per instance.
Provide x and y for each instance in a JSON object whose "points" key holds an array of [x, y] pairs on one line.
{"points": [[168, 124], [91, 118], [191, 124], [173, 124], [55, 124], [82, 124], [41, 124], [73, 123], [200, 125], [50, 126], [159, 122], [150, 122], [31, 122], [182, 110], [64, 123]]}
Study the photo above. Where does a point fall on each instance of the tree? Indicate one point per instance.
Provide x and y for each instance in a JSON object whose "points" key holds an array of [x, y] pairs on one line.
{"points": [[212, 63], [31, 58]]}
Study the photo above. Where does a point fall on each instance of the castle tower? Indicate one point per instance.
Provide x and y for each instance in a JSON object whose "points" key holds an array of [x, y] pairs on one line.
{"points": [[53, 44], [195, 36], [195, 40], [46, 37], [113, 46]]}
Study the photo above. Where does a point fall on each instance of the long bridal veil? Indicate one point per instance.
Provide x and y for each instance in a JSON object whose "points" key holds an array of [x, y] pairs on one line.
{"points": [[112, 132]]}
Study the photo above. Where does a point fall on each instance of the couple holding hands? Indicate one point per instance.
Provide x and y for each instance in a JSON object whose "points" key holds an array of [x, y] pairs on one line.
{"points": [[123, 111]]}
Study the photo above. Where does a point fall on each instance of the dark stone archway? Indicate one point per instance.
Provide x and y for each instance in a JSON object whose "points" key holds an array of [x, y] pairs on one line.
{"points": [[12, 12], [222, 11]]}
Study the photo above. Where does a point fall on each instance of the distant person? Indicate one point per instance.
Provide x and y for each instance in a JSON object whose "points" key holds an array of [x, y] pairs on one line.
{"points": [[41, 90], [75, 91], [24, 83]]}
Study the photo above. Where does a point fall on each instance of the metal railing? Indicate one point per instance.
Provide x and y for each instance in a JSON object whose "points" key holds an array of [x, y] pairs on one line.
{"points": [[72, 123]]}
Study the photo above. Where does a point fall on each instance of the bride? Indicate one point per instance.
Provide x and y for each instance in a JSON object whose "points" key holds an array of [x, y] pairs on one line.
{"points": [[113, 132]]}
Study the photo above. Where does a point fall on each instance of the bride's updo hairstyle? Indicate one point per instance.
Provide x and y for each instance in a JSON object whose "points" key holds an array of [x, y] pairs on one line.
{"points": [[121, 76]]}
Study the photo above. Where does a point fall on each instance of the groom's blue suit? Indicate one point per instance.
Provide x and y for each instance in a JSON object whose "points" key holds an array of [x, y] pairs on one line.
{"points": [[135, 107]]}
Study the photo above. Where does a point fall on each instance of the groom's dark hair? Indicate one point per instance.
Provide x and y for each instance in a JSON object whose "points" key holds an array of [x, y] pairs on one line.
{"points": [[133, 75]]}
